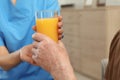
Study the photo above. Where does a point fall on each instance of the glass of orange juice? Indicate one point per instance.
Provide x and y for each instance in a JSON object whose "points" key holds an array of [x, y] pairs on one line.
{"points": [[47, 23]]}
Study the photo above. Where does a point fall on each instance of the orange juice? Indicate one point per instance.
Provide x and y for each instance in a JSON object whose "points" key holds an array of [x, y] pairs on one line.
{"points": [[48, 26]]}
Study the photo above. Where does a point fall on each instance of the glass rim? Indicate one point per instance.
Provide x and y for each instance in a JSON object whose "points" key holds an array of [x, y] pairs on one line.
{"points": [[45, 11]]}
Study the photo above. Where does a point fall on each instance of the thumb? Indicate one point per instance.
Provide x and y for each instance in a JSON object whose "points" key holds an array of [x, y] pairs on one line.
{"points": [[39, 37]]}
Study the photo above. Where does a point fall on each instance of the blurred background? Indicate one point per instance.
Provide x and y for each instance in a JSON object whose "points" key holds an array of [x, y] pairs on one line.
{"points": [[89, 26]]}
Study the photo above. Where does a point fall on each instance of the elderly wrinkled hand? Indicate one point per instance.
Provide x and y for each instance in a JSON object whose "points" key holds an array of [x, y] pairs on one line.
{"points": [[49, 54]]}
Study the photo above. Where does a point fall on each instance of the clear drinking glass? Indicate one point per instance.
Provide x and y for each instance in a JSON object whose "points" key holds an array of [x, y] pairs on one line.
{"points": [[47, 23]]}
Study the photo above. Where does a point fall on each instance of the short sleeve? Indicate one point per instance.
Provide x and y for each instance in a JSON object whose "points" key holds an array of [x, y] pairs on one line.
{"points": [[53, 5]]}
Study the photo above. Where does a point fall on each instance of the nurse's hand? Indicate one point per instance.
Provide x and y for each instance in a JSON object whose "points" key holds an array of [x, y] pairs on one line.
{"points": [[26, 54], [60, 27], [52, 57]]}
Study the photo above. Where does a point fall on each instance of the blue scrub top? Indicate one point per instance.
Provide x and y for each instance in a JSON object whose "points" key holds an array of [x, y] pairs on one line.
{"points": [[16, 23]]}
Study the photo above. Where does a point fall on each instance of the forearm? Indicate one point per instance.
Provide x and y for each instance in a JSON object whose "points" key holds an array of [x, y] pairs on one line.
{"points": [[64, 73], [9, 61]]}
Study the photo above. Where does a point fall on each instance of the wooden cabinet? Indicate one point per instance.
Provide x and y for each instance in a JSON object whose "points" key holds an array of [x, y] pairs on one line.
{"points": [[88, 34]]}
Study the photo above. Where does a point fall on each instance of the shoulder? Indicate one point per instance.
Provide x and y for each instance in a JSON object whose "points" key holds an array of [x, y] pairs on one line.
{"points": [[114, 58]]}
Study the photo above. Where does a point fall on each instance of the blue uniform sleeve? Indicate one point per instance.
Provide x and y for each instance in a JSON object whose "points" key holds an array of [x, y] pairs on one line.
{"points": [[53, 5]]}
